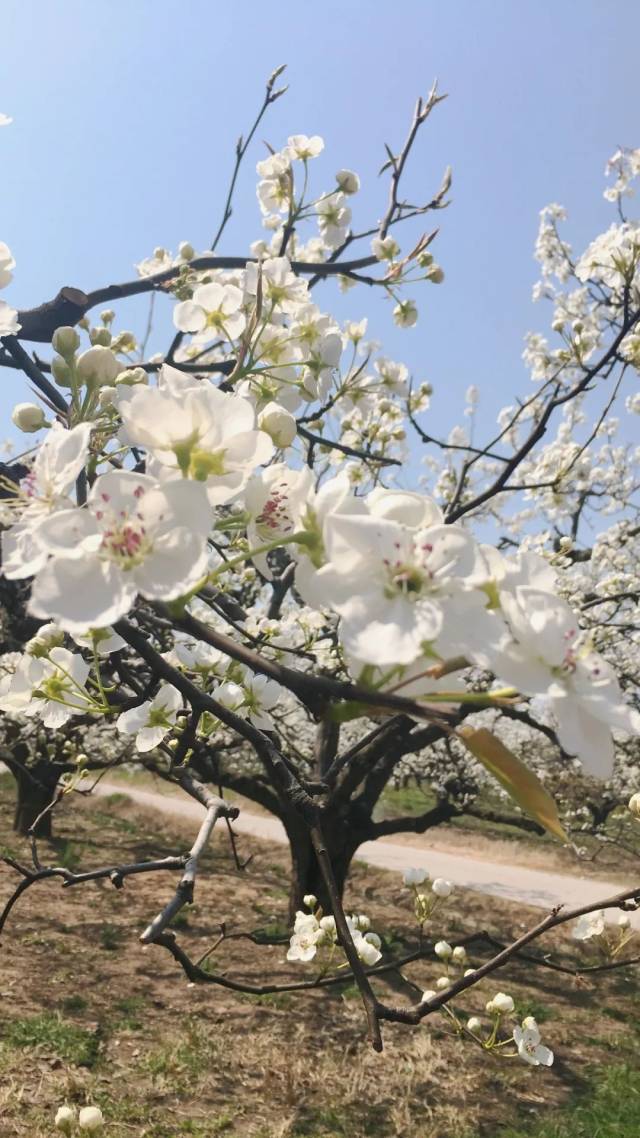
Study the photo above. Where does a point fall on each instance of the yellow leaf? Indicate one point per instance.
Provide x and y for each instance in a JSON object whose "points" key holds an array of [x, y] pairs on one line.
{"points": [[521, 783]]}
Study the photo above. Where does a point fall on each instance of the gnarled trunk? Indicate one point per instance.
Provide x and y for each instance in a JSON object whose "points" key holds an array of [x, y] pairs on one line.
{"points": [[34, 793], [341, 841]]}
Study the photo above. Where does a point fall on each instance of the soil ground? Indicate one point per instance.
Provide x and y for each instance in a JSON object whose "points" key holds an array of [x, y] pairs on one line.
{"points": [[87, 1016]]}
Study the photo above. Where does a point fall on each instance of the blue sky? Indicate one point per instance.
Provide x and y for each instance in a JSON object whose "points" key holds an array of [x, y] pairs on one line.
{"points": [[126, 114]]}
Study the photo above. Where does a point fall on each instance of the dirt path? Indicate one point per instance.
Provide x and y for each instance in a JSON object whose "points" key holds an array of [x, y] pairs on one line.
{"points": [[512, 883]]}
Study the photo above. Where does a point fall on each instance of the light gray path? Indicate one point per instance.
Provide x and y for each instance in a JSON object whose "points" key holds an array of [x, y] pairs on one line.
{"points": [[510, 882]]}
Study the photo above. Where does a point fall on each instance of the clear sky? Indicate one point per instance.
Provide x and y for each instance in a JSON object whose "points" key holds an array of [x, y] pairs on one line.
{"points": [[126, 114]]}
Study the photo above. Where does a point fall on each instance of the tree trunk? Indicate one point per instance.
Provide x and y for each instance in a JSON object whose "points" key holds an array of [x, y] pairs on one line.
{"points": [[341, 841], [34, 795]]}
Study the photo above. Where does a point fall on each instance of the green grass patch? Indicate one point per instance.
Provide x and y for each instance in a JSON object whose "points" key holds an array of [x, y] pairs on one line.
{"points": [[129, 1013], [50, 1032], [612, 1110]]}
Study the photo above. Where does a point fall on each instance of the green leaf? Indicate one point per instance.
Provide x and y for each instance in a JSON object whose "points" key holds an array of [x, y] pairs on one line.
{"points": [[522, 784]]}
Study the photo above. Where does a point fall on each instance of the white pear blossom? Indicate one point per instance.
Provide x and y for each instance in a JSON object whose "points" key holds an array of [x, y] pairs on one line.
{"points": [[150, 722], [7, 263], [549, 656], [51, 688], [589, 925], [9, 323], [530, 1049], [261, 695], [230, 695], [398, 590], [104, 641], [215, 308], [367, 947], [334, 217], [275, 499], [135, 536], [307, 935], [301, 147], [414, 876], [385, 248], [280, 286], [202, 434], [405, 314]]}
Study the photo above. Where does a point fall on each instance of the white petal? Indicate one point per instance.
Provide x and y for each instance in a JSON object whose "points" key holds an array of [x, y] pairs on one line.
{"points": [[149, 737], [81, 594], [178, 561], [189, 317], [582, 735]]}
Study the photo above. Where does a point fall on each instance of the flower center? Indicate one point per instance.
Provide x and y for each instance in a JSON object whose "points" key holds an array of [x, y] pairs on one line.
{"points": [[275, 516], [126, 544], [408, 578]]}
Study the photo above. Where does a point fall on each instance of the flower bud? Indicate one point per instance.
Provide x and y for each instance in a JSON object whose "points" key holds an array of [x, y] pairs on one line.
{"points": [[624, 921], [107, 396], [634, 804], [107, 316], [474, 1024], [348, 182], [61, 371], [28, 417], [65, 1119], [385, 248], [310, 901], [98, 366], [328, 925], [414, 876], [65, 341], [279, 424], [131, 376], [363, 922], [90, 1118], [405, 314], [435, 274], [186, 251], [101, 337], [46, 638], [124, 342], [459, 954], [441, 887], [501, 1003], [443, 949], [428, 995], [442, 983]]}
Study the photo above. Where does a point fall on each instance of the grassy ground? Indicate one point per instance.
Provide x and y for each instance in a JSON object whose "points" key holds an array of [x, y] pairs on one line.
{"points": [[87, 1016]]}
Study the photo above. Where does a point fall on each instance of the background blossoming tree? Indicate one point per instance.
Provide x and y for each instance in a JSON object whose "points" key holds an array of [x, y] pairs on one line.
{"points": [[249, 557]]}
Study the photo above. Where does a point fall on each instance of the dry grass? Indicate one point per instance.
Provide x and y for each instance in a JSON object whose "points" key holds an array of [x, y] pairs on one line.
{"points": [[86, 1015]]}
